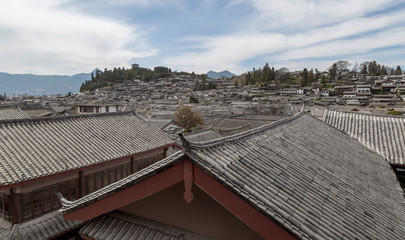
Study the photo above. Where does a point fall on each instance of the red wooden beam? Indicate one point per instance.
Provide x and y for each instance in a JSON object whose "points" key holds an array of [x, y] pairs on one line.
{"points": [[240, 208], [149, 186]]}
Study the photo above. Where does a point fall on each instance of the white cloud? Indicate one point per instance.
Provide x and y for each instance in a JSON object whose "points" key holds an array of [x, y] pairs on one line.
{"points": [[341, 38], [301, 15], [40, 37]]}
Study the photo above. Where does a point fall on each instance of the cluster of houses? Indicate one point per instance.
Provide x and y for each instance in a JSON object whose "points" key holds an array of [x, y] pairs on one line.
{"points": [[116, 175]]}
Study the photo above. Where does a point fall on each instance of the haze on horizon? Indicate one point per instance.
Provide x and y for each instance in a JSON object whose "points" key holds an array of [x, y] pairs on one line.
{"points": [[66, 37]]}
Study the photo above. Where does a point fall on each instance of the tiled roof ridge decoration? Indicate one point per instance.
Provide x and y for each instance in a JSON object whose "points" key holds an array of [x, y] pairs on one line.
{"points": [[380, 133], [188, 144], [69, 206], [65, 117]]}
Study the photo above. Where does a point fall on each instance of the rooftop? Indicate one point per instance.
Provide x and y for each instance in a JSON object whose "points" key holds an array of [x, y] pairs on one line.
{"points": [[35, 148], [311, 179], [381, 133]]}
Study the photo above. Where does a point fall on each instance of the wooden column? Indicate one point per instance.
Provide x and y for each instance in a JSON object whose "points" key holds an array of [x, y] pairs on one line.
{"points": [[15, 206], [82, 186], [165, 152], [132, 165]]}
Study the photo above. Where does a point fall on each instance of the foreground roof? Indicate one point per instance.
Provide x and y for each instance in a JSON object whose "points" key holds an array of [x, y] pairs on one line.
{"points": [[12, 112], [31, 149], [119, 225], [311, 179], [382, 134], [45, 227]]}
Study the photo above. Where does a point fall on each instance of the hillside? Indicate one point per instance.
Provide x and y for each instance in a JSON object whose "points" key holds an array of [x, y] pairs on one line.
{"points": [[41, 84]]}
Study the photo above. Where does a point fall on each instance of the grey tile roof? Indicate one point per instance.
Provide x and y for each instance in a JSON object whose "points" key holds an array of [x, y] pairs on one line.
{"points": [[45, 227], [160, 123], [12, 112], [310, 178], [203, 135], [119, 225], [382, 134], [31, 149]]}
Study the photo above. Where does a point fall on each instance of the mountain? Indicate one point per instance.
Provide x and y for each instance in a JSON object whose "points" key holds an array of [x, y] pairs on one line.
{"points": [[217, 75], [41, 84]]}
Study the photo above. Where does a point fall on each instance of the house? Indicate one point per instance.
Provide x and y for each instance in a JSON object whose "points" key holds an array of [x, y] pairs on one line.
{"points": [[91, 108], [363, 90], [339, 89], [382, 134], [298, 178], [75, 155]]}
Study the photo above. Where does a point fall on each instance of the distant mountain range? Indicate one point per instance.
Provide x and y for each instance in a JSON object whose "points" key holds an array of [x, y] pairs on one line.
{"points": [[41, 84], [218, 75]]}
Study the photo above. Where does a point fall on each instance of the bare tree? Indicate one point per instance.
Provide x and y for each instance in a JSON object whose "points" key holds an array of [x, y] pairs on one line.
{"points": [[188, 117]]}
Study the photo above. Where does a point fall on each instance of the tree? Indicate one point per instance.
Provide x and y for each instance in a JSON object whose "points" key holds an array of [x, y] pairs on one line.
{"points": [[323, 81], [398, 71], [282, 75], [384, 70], [188, 117], [363, 68], [355, 67], [193, 99], [248, 78], [372, 68], [311, 76], [337, 68], [332, 72], [304, 81]]}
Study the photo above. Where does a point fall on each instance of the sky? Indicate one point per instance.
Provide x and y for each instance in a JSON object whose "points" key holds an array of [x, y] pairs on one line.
{"points": [[66, 37]]}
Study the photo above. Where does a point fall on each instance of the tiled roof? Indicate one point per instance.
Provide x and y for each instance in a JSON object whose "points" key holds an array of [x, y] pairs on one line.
{"points": [[382, 134], [310, 178], [12, 112], [31, 149], [205, 135], [119, 225], [45, 227]]}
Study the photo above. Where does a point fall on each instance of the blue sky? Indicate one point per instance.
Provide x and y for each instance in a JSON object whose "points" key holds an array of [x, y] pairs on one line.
{"points": [[73, 36]]}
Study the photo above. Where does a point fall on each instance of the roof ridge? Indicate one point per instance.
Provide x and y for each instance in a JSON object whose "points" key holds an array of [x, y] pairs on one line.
{"points": [[365, 114], [188, 144], [54, 118]]}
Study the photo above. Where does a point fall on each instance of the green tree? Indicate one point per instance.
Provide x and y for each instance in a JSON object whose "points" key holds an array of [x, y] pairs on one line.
{"points": [[188, 117], [304, 81], [364, 70], [398, 71], [323, 81], [384, 70], [332, 72], [311, 76], [248, 78], [193, 99]]}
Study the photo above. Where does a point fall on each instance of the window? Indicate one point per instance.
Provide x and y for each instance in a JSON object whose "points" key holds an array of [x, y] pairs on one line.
{"points": [[44, 200], [102, 178], [4, 206]]}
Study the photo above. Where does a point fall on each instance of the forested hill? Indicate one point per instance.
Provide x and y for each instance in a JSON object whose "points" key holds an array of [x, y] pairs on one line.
{"points": [[101, 79]]}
